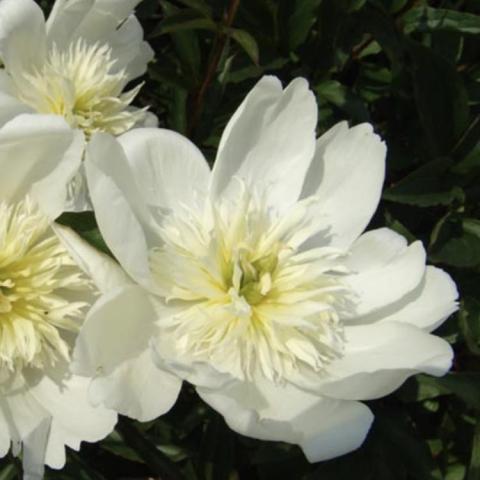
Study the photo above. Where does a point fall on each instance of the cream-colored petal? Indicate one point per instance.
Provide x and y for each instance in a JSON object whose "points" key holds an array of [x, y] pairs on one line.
{"points": [[349, 168], [102, 269], [123, 217], [383, 284], [34, 450], [426, 307], [113, 347], [39, 154], [137, 388], [324, 428], [269, 141], [65, 397], [22, 35], [171, 170], [378, 358]]}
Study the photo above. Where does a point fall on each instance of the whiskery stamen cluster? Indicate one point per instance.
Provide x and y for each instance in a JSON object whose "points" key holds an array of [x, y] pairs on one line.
{"points": [[250, 300], [81, 84], [38, 281]]}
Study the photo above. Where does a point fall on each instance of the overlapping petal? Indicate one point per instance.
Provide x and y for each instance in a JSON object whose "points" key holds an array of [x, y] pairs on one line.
{"points": [[346, 175], [22, 34], [323, 427], [61, 393], [99, 21], [124, 375], [269, 141], [41, 166]]}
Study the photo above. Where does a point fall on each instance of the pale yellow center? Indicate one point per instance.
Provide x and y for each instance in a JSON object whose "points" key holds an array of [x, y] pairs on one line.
{"points": [[250, 301], [40, 287], [80, 83]]}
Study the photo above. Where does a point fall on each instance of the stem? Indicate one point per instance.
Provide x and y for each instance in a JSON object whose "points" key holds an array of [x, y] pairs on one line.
{"points": [[215, 56]]}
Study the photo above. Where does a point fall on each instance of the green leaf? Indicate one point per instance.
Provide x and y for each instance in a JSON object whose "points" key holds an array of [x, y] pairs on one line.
{"points": [[382, 27], [300, 21], [441, 99], [199, 6], [400, 446], [457, 243], [464, 385], [247, 42], [217, 449], [343, 98], [184, 20], [9, 472], [474, 467], [428, 19], [158, 462], [169, 75], [114, 444], [469, 322], [468, 141], [427, 186]]}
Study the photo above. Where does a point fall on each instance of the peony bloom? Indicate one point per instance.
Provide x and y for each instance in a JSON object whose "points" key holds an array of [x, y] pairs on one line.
{"points": [[255, 281], [76, 64], [44, 293]]}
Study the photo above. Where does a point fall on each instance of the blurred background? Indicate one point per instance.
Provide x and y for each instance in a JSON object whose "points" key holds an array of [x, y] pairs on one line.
{"points": [[412, 69]]}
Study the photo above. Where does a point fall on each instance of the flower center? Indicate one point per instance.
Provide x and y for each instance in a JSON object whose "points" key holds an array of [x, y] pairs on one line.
{"points": [[38, 284], [79, 84], [249, 300], [253, 278]]}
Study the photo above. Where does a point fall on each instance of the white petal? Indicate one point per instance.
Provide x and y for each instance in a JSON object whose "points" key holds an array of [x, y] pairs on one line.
{"points": [[316, 169], [65, 396], [66, 16], [10, 107], [113, 346], [55, 456], [22, 34], [385, 283], [39, 154], [197, 373], [171, 170], [117, 328], [94, 20], [150, 121], [131, 52], [34, 450], [5, 437], [380, 357], [349, 166], [375, 249], [21, 410], [102, 269], [429, 305], [120, 210], [78, 197], [105, 21], [324, 428], [269, 141], [137, 388]]}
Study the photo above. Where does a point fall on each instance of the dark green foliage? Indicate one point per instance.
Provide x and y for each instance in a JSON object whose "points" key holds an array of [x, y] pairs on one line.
{"points": [[410, 67]]}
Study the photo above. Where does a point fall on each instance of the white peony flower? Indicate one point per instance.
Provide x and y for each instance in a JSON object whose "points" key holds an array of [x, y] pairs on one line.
{"points": [[76, 64], [255, 282], [45, 291]]}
